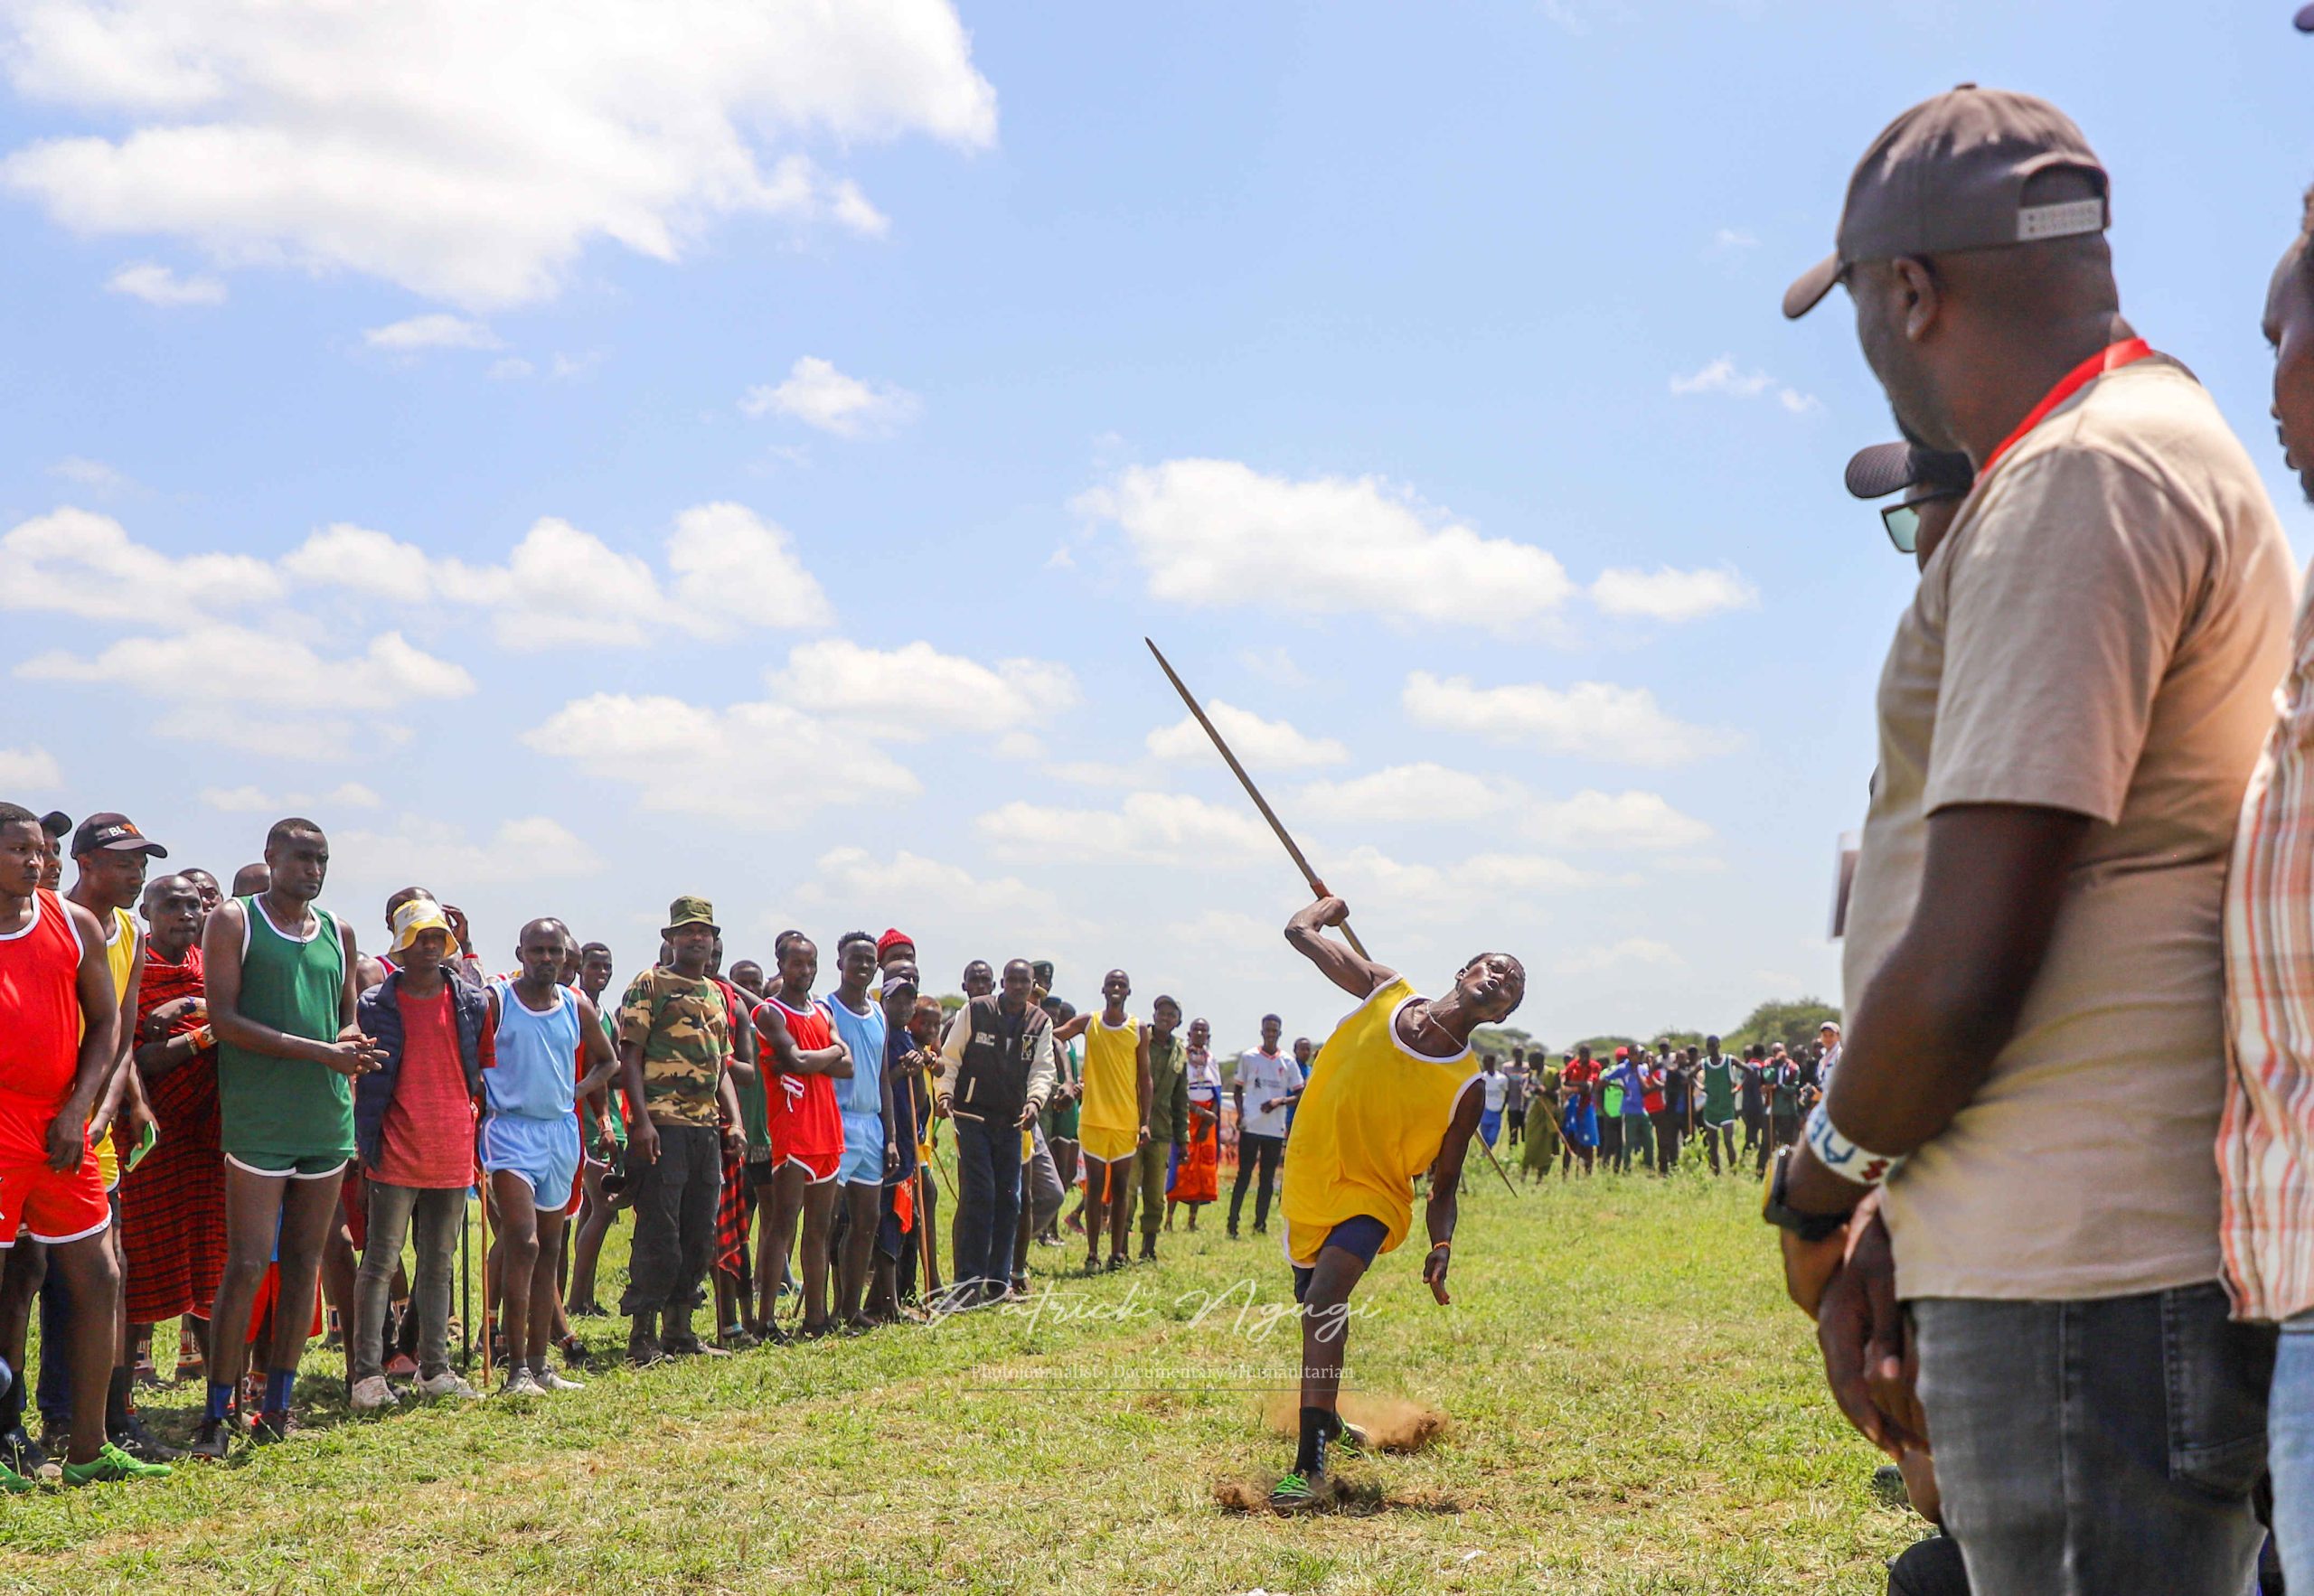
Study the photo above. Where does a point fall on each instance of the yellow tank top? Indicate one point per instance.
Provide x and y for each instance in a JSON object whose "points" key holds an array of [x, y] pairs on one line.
{"points": [[1371, 1120], [120, 954], [1112, 1099]]}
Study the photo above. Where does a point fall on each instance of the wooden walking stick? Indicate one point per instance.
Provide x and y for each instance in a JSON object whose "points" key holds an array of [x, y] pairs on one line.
{"points": [[485, 1215], [1292, 852]]}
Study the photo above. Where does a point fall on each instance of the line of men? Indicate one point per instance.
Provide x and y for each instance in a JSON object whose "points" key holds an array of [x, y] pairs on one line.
{"points": [[235, 1113]]}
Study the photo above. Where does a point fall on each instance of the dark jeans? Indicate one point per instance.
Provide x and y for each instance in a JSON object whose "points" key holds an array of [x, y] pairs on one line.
{"points": [[1671, 1126], [1253, 1146], [2099, 1447], [1611, 1139], [675, 1197], [1932, 1567], [988, 1199]]}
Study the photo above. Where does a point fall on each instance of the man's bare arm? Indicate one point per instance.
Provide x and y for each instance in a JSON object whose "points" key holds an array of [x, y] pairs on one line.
{"points": [[1339, 963], [1931, 1022]]}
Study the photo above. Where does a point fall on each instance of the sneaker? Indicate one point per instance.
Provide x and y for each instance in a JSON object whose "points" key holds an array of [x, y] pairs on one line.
{"points": [[643, 1351], [553, 1380], [141, 1443], [111, 1463], [448, 1382], [590, 1308], [1117, 1261], [14, 1483], [521, 1384], [146, 1375], [1293, 1494], [575, 1355], [372, 1392], [1149, 1249], [735, 1338], [1349, 1437], [22, 1454], [212, 1441], [271, 1429]]}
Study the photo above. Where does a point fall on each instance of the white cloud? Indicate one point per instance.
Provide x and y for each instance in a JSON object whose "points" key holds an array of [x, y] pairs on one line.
{"points": [[1259, 743], [79, 563], [157, 285], [317, 739], [923, 892], [1219, 532], [532, 849], [1422, 792], [29, 770], [1642, 952], [916, 690], [1156, 827], [95, 475], [1631, 820], [471, 152], [1730, 241], [435, 330], [1664, 594], [1274, 666], [1102, 773], [225, 664], [513, 368], [1721, 376], [768, 764], [252, 800], [561, 586], [1379, 886], [818, 395], [1591, 719]]}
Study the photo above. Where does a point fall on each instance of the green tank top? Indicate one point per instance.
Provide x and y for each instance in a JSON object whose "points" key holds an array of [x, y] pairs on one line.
{"points": [[284, 1105], [1718, 1091]]}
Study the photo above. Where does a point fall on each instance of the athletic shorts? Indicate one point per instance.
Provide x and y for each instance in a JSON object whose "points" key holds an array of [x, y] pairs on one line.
{"points": [[1718, 1124], [297, 1165], [819, 1168], [1106, 1144], [1489, 1125], [52, 1207], [759, 1169], [1362, 1235], [543, 1152], [863, 1150]]}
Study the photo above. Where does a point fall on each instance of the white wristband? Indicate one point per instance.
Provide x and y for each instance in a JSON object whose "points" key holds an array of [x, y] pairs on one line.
{"points": [[1843, 1158]]}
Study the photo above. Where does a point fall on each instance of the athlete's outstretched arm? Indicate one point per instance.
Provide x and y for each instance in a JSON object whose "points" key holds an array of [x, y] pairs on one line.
{"points": [[1360, 977]]}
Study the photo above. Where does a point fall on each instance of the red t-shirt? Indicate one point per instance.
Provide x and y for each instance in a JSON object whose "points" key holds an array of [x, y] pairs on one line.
{"points": [[428, 1135], [40, 1028], [1652, 1101], [800, 1110]]}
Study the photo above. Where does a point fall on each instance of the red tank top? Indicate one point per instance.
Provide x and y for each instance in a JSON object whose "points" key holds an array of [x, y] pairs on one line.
{"points": [[40, 1028], [800, 1112]]}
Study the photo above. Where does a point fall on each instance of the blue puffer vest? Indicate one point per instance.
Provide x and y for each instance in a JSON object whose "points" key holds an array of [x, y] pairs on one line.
{"points": [[379, 1013]]}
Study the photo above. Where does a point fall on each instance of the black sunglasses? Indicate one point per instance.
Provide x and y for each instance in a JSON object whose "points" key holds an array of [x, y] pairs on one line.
{"points": [[1902, 520]]}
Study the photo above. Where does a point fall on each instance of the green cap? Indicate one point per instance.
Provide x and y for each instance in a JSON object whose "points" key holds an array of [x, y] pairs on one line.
{"points": [[689, 910]]}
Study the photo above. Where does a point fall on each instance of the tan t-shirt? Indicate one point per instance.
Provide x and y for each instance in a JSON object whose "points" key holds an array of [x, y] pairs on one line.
{"points": [[2102, 631]]}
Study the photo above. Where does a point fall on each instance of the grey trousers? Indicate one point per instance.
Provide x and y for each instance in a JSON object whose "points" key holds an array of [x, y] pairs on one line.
{"points": [[438, 1215]]}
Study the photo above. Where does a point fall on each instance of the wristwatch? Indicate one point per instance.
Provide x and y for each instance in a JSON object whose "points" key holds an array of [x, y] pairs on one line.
{"points": [[1808, 1228]]}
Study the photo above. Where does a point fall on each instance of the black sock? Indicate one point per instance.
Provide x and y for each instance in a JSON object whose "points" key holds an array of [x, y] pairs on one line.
{"points": [[117, 1400], [12, 1403], [1317, 1429]]}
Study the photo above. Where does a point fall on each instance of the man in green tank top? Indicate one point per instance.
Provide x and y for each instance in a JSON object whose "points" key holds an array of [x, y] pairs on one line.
{"points": [[281, 982]]}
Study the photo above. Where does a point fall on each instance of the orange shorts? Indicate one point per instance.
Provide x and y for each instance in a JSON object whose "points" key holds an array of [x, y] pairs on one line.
{"points": [[52, 1207]]}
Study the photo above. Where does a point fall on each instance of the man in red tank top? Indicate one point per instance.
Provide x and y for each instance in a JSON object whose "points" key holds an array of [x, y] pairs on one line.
{"points": [[802, 1061], [59, 1027]]}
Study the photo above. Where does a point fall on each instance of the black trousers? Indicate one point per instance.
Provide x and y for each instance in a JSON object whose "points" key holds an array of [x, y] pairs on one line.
{"points": [[675, 1197], [1670, 1128], [1251, 1147]]}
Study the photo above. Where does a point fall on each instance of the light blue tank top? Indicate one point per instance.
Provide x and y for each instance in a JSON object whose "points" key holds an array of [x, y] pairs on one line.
{"points": [[537, 1072], [864, 1035]]}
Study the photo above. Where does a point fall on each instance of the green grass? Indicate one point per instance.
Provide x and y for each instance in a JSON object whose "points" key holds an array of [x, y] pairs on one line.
{"points": [[1633, 1408]]}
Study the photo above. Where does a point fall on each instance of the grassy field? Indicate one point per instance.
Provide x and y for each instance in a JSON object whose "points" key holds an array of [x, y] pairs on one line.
{"points": [[1634, 1409]]}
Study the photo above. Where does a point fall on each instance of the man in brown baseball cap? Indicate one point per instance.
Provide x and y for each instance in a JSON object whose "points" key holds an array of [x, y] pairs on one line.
{"points": [[2018, 1137]]}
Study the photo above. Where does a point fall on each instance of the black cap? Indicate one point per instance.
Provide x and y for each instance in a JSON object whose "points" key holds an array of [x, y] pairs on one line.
{"points": [[1886, 468], [2306, 19], [114, 833], [55, 822]]}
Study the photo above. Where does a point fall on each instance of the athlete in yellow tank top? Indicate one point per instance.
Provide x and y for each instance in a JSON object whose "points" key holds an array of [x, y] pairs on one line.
{"points": [[1115, 1120], [1389, 1100]]}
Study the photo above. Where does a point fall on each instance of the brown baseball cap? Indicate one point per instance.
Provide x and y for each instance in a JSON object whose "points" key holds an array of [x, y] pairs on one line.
{"points": [[1950, 173]]}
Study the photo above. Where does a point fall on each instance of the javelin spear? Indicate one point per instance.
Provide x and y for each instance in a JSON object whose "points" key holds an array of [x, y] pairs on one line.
{"points": [[1276, 826]]}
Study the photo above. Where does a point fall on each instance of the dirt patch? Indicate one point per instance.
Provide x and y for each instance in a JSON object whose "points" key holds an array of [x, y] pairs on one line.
{"points": [[1392, 1423]]}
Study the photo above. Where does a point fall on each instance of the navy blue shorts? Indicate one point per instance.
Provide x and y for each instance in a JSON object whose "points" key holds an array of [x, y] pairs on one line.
{"points": [[1363, 1235]]}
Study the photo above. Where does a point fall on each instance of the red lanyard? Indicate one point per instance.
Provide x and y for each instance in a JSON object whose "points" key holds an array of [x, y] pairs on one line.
{"points": [[2111, 358]]}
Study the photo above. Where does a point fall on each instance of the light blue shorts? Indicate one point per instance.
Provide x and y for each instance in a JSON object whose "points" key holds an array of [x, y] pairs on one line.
{"points": [[543, 1152], [863, 1150]]}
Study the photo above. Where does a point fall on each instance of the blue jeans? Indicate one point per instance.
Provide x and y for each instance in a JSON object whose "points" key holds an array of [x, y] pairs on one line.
{"points": [[988, 1190], [2106, 1447], [2290, 1451]]}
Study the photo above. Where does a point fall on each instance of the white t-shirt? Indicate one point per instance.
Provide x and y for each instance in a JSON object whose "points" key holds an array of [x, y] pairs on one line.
{"points": [[1265, 1075], [1497, 1088]]}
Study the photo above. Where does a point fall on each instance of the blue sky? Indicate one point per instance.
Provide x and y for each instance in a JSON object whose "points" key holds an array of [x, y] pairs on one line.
{"points": [[587, 456]]}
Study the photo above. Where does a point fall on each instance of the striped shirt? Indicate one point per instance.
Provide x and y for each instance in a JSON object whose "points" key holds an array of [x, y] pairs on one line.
{"points": [[2265, 1142]]}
